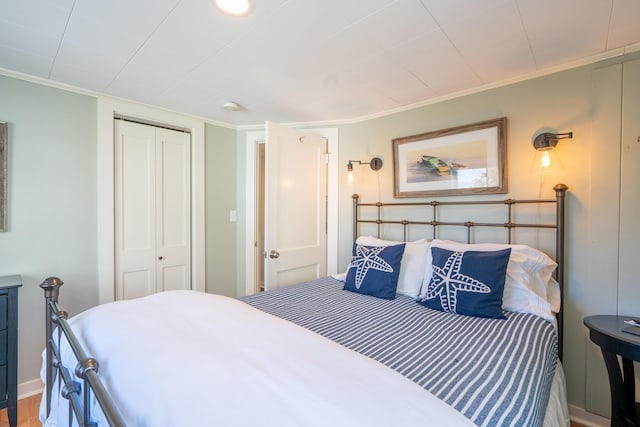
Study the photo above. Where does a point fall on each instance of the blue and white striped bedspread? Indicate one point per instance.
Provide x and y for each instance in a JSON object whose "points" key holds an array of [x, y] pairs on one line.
{"points": [[495, 372]]}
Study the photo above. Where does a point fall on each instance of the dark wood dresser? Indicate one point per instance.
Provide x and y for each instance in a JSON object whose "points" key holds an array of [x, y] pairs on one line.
{"points": [[9, 346]]}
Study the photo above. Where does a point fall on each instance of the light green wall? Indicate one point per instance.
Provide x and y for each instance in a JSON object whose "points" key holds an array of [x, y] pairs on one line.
{"points": [[565, 101], [52, 205], [220, 187], [560, 101]]}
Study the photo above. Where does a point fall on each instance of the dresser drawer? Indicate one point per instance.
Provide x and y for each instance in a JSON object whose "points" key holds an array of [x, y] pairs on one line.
{"points": [[3, 311], [9, 346], [4, 346], [3, 382]]}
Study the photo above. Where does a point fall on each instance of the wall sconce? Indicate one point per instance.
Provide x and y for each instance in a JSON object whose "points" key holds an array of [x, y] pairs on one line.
{"points": [[546, 141], [375, 164]]}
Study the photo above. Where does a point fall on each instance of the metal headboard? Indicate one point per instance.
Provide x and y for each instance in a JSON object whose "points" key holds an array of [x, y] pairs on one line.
{"points": [[509, 224]]}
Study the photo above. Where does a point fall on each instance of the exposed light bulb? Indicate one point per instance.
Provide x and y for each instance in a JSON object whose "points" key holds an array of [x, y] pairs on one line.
{"points": [[350, 172], [546, 159]]}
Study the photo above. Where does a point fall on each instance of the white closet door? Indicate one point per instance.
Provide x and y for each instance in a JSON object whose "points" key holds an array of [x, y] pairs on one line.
{"points": [[135, 210], [173, 216], [153, 218]]}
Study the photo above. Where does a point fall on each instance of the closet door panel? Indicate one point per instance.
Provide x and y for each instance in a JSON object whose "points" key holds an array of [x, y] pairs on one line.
{"points": [[174, 277], [173, 194], [135, 238], [153, 209], [136, 284]]}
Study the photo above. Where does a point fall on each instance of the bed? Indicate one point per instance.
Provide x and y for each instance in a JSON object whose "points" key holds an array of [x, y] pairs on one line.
{"points": [[328, 353]]}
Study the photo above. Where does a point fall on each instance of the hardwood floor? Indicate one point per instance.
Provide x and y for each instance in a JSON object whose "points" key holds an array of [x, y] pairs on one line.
{"points": [[27, 413]]}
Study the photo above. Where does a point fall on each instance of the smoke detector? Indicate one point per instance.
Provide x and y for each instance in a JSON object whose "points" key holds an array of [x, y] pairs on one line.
{"points": [[231, 106]]}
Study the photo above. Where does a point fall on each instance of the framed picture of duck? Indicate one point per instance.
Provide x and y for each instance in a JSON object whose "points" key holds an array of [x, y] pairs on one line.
{"points": [[462, 160]]}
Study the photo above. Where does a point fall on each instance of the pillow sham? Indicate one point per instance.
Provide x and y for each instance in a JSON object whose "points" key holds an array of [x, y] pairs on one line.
{"points": [[529, 285], [374, 270], [412, 266], [467, 282]]}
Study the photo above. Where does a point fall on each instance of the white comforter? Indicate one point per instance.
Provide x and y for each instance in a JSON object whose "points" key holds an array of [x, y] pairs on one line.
{"points": [[185, 358]]}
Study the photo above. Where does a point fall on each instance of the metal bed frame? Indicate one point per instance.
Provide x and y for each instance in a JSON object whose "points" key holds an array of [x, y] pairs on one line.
{"points": [[508, 224], [87, 367]]}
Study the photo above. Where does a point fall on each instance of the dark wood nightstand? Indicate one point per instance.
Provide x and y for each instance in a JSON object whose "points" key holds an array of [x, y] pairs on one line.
{"points": [[606, 332], [9, 346]]}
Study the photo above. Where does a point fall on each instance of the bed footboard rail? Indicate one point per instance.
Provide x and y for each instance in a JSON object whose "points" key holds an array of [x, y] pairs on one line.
{"points": [[86, 368]]}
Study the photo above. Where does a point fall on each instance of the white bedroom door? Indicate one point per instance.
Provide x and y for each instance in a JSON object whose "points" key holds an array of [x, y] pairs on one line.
{"points": [[153, 215], [296, 206]]}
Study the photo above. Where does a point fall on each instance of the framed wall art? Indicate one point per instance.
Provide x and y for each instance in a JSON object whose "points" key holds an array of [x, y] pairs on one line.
{"points": [[4, 142], [463, 160]]}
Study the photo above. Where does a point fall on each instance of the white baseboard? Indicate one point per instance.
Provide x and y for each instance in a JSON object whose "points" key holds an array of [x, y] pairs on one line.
{"points": [[580, 415], [30, 388]]}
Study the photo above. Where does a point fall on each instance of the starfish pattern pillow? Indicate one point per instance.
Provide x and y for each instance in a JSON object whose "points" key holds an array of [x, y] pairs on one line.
{"points": [[374, 270], [467, 282], [529, 286]]}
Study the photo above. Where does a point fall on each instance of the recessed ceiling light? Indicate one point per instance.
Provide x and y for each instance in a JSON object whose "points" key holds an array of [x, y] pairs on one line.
{"points": [[234, 7]]}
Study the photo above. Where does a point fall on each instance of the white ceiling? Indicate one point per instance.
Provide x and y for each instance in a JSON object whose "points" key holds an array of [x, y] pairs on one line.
{"points": [[305, 60]]}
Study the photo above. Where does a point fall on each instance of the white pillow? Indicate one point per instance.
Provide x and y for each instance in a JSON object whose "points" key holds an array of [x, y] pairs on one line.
{"points": [[340, 276], [553, 295], [412, 265], [529, 287]]}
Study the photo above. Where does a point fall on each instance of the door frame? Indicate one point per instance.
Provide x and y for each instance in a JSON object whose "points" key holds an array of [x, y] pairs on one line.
{"points": [[253, 138], [107, 108]]}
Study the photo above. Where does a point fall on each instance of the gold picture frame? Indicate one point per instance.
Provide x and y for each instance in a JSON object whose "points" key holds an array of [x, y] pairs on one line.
{"points": [[463, 160]]}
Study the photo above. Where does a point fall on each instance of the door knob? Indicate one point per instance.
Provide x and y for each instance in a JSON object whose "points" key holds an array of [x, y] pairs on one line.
{"points": [[160, 258], [274, 254]]}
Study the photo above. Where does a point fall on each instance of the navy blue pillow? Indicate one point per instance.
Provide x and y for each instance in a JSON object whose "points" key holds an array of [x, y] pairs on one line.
{"points": [[374, 270], [469, 283]]}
